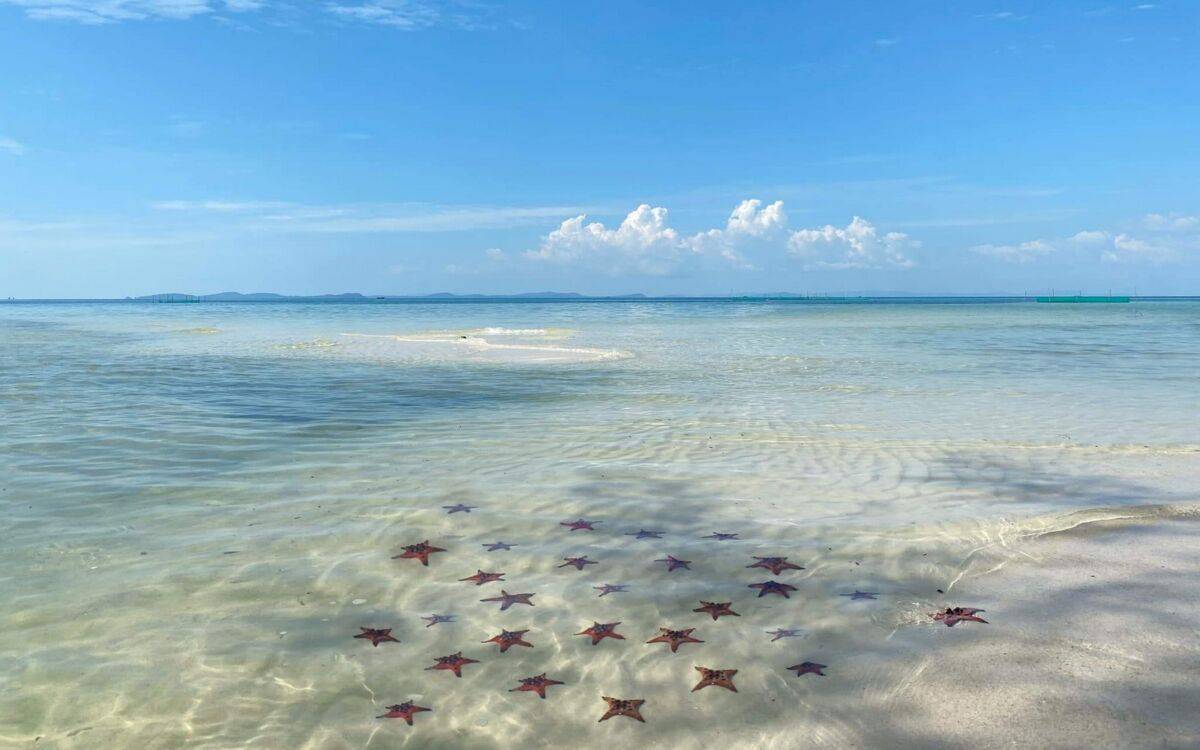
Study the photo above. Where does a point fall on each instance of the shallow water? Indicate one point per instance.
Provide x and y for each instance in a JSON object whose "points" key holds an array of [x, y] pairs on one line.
{"points": [[201, 504]]}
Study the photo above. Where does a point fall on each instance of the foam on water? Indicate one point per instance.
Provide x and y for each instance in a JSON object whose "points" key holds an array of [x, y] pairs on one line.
{"points": [[197, 525]]}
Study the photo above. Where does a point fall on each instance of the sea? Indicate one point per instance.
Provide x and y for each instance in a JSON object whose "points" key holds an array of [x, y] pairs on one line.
{"points": [[203, 505]]}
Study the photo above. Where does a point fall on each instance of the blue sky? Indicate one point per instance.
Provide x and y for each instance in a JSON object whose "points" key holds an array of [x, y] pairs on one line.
{"points": [[396, 147]]}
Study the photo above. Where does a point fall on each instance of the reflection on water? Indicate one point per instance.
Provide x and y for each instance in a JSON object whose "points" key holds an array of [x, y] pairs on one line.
{"points": [[202, 504]]}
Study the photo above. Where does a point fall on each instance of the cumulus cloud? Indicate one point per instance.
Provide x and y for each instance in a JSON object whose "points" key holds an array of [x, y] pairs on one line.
{"points": [[643, 242], [750, 220], [1020, 253], [856, 245]]}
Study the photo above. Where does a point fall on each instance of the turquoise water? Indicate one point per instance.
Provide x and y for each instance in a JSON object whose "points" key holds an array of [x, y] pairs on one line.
{"points": [[201, 503]]}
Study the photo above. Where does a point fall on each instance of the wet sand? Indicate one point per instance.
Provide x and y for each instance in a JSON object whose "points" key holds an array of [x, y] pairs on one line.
{"points": [[1094, 641]]}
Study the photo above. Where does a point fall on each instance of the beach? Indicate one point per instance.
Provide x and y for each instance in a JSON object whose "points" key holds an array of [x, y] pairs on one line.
{"points": [[205, 504]]}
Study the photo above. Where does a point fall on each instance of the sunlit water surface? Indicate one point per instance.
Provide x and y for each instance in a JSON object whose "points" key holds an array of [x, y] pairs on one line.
{"points": [[201, 503]]}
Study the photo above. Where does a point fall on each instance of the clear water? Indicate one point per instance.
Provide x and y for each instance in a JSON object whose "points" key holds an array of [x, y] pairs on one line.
{"points": [[201, 502]]}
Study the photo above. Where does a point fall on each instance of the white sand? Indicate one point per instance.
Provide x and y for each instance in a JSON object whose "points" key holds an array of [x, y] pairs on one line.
{"points": [[1096, 644]]}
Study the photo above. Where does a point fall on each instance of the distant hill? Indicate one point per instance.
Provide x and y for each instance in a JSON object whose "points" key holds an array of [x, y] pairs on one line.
{"points": [[355, 296]]}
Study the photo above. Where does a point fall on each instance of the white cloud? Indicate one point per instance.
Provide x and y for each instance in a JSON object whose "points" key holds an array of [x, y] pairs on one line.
{"points": [[113, 11], [1171, 222], [1020, 253], [1094, 237], [643, 242], [1175, 237], [216, 206], [12, 146], [750, 220], [1128, 249], [857, 245], [400, 14]]}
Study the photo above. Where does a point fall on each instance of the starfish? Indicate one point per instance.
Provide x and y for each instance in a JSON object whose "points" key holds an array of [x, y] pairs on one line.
{"points": [[611, 588], [498, 546], [718, 677], [643, 534], [578, 562], [954, 615], [861, 595], [720, 536], [459, 508], [601, 630], [783, 633], [420, 551], [808, 667], [537, 684], [509, 638], [674, 562], [774, 564], [481, 577], [377, 635], [772, 587], [435, 619], [716, 609], [580, 524], [675, 638], [404, 711], [453, 662], [623, 707], [507, 600]]}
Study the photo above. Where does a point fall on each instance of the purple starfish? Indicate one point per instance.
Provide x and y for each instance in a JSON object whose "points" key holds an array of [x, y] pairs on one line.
{"points": [[498, 546], [674, 562], [808, 667], [435, 619], [507, 600], [720, 536], [578, 562], [773, 587], [459, 508], [611, 588], [643, 534], [783, 633], [862, 595], [579, 525]]}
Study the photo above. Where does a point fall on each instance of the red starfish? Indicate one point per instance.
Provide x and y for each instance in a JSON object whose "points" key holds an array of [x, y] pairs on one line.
{"points": [[674, 562], [377, 635], [623, 707], [578, 562], [601, 630], [481, 577], [774, 564], [420, 551], [809, 667], [453, 662], [716, 609], [510, 638], [718, 677], [773, 587], [536, 684], [675, 638], [954, 615], [579, 525], [404, 711], [507, 600]]}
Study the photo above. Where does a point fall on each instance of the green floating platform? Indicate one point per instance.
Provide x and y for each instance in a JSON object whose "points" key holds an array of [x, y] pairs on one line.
{"points": [[1083, 299]]}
